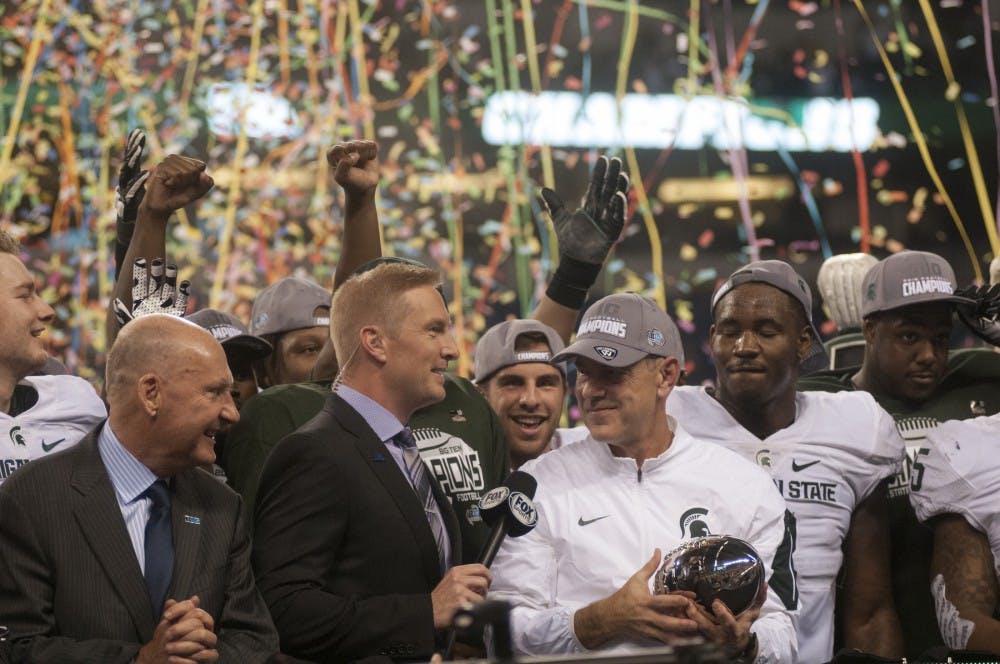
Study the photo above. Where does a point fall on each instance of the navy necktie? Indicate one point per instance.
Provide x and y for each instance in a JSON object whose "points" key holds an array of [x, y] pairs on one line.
{"points": [[159, 546], [422, 485]]}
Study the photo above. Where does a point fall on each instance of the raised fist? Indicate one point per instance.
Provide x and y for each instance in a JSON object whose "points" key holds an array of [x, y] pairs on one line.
{"points": [[176, 182], [355, 165]]}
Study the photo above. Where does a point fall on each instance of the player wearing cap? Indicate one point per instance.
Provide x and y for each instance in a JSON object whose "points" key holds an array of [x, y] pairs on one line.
{"points": [[39, 415], [293, 315], [515, 374], [955, 485], [637, 485], [907, 303], [242, 349], [828, 454]]}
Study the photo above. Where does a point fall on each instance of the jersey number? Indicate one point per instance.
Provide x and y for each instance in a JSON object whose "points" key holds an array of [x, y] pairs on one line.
{"points": [[917, 473]]}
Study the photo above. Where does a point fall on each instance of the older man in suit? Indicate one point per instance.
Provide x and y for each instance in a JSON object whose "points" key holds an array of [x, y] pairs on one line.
{"points": [[120, 549], [353, 538]]}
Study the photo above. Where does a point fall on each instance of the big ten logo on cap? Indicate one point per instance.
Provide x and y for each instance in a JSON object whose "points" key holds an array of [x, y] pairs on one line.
{"points": [[523, 509]]}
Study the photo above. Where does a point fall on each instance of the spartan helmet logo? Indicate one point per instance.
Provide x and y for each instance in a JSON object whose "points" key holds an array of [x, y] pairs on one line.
{"points": [[693, 523], [764, 459], [16, 437]]}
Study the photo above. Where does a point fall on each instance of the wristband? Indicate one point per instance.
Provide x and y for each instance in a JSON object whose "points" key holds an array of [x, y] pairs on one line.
{"points": [[571, 281]]}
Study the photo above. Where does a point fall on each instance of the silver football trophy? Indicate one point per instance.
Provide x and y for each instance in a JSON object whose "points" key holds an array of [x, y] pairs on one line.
{"points": [[715, 566]]}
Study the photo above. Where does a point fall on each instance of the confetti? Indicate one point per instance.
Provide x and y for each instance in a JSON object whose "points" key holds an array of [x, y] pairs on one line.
{"points": [[260, 93]]}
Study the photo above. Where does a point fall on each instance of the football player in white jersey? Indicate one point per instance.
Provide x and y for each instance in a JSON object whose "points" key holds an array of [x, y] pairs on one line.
{"points": [[39, 415], [955, 488], [639, 484], [828, 453]]}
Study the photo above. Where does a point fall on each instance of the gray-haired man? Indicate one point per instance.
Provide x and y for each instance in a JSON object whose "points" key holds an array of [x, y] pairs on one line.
{"points": [[626, 492]]}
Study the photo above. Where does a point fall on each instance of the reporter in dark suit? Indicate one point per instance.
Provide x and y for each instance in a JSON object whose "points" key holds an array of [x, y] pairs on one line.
{"points": [[120, 549], [353, 539]]}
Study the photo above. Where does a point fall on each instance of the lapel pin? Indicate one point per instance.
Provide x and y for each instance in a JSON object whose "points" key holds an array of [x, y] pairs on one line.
{"points": [[378, 457], [193, 520]]}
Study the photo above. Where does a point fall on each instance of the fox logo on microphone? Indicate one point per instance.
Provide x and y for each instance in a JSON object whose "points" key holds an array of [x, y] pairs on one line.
{"points": [[523, 509]]}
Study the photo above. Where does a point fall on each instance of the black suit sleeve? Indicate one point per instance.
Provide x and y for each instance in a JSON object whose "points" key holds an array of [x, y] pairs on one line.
{"points": [[302, 541], [27, 590], [246, 633]]}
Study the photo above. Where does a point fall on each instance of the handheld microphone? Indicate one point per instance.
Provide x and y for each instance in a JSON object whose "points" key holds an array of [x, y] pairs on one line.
{"points": [[509, 511]]}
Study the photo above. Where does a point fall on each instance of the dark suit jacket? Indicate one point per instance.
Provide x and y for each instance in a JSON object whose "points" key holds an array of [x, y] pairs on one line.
{"points": [[71, 589], [342, 550]]}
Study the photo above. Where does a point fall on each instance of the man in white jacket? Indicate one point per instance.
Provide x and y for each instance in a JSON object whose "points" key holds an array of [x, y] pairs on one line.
{"points": [[639, 485]]}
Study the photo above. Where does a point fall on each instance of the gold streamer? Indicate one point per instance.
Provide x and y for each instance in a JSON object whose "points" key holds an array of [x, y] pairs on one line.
{"points": [[652, 232], [963, 124], [921, 142], [38, 37], [257, 12]]}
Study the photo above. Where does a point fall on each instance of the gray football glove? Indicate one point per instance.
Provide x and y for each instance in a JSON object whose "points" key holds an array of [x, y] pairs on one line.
{"points": [[154, 291], [983, 318]]}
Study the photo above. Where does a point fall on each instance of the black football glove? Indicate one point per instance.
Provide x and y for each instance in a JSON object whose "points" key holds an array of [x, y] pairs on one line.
{"points": [[587, 235], [983, 317]]}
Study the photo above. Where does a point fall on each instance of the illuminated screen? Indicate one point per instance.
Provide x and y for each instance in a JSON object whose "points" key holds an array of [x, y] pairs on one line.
{"points": [[750, 128]]}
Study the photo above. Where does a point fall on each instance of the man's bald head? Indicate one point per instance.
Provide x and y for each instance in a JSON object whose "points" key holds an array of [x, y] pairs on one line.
{"points": [[155, 343], [169, 393]]}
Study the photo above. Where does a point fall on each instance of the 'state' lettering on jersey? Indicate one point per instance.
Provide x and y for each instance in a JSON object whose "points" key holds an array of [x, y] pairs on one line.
{"points": [[820, 492]]}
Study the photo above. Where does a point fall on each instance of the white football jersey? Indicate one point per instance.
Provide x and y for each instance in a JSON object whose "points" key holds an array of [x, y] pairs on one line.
{"points": [[600, 519], [840, 446], [67, 409], [959, 473]]}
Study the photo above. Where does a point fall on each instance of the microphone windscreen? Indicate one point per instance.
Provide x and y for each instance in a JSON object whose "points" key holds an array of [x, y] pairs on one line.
{"points": [[493, 506], [523, 482]]}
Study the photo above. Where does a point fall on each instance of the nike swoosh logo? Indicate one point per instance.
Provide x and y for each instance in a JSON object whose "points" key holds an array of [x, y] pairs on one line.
{"points": [[48, 447], [797, 467], [582, 522]]}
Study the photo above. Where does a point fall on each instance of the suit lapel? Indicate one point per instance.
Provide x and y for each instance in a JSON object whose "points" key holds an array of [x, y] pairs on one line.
{"points": [[381, 463], [101, 522], [185, 517]]}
